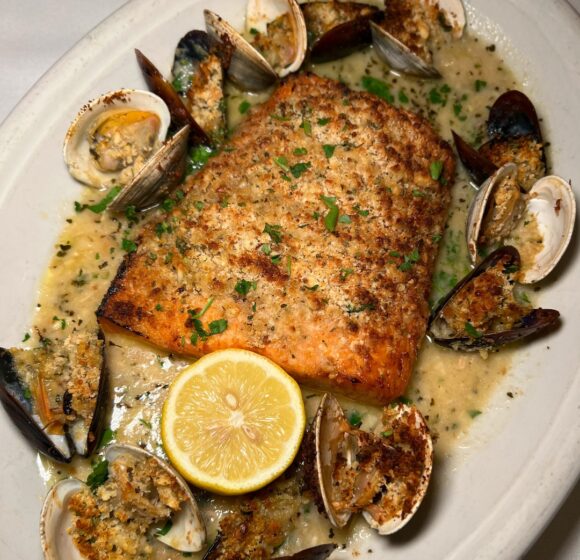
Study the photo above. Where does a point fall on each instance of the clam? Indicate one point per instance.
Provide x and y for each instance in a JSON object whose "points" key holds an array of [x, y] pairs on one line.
{"points": [[384, 475], [320, 552], [337, 29], [114, 135], [279, 48], [142, 496], [198, 78], [514, 137], [538, 223], [482, 311], [56, 394], [157, 177], [401, 38], [279, 33]]}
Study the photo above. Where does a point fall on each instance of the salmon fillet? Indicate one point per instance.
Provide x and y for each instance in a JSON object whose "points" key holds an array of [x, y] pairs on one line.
{"points": [[311, 239]]}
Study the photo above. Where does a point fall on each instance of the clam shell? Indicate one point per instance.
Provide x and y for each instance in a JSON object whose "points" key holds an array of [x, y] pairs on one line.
{"points": [[551, 201], [261, 12], [158, 177], [412, 419], [398, 56], [247, 68], [329, 437], [187, 533], [76, 150]]}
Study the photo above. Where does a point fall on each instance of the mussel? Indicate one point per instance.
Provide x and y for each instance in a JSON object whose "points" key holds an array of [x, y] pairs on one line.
{"points": [[56, 394], [199, 79], [278, 46], [514, 136], [320, 552], [482, 312], [138, 497], [402, 37], [113, 136], [336, 29], [383, 474]]}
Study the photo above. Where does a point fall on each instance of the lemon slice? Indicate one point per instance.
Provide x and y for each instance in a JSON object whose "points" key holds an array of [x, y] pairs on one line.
{"points": [[232, 422]]}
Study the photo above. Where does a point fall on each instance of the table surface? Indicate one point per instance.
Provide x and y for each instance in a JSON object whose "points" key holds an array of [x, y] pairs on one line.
{"points": [[61, 23]]}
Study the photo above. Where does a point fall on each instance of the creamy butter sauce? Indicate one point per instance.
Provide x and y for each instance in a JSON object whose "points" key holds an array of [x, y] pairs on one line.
{"points": [[450, 388]]}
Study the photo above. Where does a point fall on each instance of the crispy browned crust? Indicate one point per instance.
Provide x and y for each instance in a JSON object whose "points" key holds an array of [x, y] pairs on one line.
{"points": [[359, 331]]}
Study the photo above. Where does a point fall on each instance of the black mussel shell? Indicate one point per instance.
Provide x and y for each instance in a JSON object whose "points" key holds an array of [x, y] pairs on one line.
{"points": [[513, 115], [180, 116], [195, 45], [19, 408], [535, 321], [478, 166], [320, 552]]}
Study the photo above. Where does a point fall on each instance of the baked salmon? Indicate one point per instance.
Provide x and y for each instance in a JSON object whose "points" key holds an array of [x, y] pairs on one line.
{"points": [[311, 239]]}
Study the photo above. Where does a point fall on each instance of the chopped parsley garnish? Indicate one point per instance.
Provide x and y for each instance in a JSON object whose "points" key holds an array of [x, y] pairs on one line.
{"points": [[344, 219], [198, 205], [300, 152], [218, 326], [350, 309], [198, 157], [387, 433], [199, 314], [403, 97], [254, 31], [282, 163], [323, 122], [409, 260], [244, 107], [61, 321], [479, 85], [128, 245], [419, 194], [329, 150], [331, 218], [131, 214], [276, 259], [439, 96], [162, 531], [474, 412], [378, 87], [274, 231], [436, 168], [107, 437], [279, 117], [99, 474], [26, 337], [472, 331], [101, 206], [511, 269], [345, 273], [436, 238], [354, 418], [457, 108], [307, 126], [162, 227], [243, 287], [299, 168], [360, 211], [167, 205], [158, 307], [81, 279], [146, 423], [312, 288], [266, 249]]}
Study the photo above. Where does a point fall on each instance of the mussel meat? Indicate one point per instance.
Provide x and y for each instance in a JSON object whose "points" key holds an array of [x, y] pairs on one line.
{"points": [[514, 137], [199, 79], [383, 474], [482, 311], [141, 497], [56, 394], [538, 223]]}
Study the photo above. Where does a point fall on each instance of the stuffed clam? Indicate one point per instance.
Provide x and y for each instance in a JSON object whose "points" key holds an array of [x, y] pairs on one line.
{"points": [[137, 499], [383, 474]]}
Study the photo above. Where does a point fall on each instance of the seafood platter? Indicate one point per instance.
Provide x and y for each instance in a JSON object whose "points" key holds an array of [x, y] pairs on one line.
{"points": [[304, 252]]}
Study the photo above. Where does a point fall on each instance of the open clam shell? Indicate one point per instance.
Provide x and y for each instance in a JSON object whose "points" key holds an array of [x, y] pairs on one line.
{"points": [[281, 33], [112, 137], [158, 177], [186, 534], [338, 28], [385, 475], [400, 499], [549, 207], [487, 292], [57, 396], [246, 67]]}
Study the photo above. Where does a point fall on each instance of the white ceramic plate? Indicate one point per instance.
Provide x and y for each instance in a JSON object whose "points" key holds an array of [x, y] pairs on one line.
{"points": [[490, 502]]}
